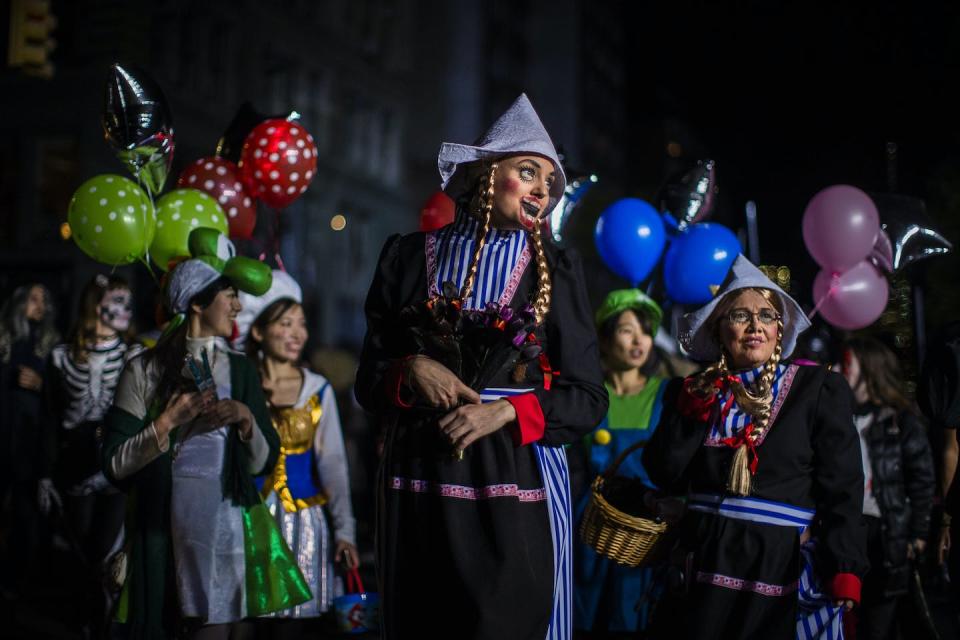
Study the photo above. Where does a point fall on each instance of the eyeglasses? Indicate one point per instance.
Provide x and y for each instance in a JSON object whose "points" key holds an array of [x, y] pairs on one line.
{"points": [[744, 316]]}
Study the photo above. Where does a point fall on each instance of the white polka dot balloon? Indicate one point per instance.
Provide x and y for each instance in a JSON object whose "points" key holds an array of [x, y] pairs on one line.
{"points": [[278, 161], [220, 178], [112, 220], [179, 212]]}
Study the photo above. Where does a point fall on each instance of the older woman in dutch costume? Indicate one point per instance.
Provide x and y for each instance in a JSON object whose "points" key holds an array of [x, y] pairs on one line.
{"points": [[480, 360], [765, 452]]}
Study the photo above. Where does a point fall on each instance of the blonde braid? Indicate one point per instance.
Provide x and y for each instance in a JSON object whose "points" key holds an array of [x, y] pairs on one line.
{"points": [[486, 207], [541, 305], [758, 406]]}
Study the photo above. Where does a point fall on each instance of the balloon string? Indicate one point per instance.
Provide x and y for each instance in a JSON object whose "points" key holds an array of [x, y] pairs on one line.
{"points": [[146, 262], [834, 285]]}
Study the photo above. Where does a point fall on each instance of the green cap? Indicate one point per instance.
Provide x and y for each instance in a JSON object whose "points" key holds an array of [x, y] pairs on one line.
{"points": [[623, 299]]}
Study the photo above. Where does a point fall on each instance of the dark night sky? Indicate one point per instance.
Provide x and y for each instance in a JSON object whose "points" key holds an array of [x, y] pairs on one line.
{"points": [[789, 101]]}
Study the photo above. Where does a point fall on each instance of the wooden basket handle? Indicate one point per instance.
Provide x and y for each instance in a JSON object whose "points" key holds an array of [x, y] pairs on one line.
{"points": [[612, 469]]}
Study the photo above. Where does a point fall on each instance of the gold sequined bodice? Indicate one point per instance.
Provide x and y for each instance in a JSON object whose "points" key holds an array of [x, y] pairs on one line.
{"points": [[297, 425]]}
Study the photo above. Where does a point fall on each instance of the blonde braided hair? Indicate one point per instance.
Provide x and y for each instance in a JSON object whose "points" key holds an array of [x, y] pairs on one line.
{"points": [[541, 304], [486, 207]]}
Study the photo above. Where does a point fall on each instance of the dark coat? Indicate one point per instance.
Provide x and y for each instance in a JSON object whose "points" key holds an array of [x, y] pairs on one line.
{"points": [[471, 568], [903, 484]]}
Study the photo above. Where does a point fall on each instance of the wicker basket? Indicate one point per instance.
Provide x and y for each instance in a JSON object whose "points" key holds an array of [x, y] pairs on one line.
{"points": [[626, 539]]}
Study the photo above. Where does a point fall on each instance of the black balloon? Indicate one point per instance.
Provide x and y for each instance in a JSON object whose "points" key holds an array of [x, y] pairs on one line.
{"points": [[244, 120], [909, 228], [137, 123], [690, 197]]}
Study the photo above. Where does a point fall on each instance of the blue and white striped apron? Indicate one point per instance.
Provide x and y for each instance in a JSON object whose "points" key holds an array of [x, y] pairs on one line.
{"points": [[817, 617], [552, 462]]}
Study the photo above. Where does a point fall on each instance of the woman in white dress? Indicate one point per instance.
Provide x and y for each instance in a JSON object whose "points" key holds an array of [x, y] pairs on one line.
{"points": [[186, 441]]}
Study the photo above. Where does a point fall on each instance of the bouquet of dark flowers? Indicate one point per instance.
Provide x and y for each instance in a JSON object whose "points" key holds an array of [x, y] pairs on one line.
{"points": [[473, 344]]}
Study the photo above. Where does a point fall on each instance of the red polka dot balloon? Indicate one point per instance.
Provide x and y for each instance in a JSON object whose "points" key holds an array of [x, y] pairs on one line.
{"points": [[278, 161], [221, 180]]}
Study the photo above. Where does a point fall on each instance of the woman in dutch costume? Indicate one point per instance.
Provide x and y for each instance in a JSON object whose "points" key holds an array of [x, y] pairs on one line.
{"points": [[188, 431], [310, 484], [609, 597], [766, 452], [480, 360]]}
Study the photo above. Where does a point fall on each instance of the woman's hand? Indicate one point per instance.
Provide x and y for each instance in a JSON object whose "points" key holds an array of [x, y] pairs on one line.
{"points": [[471, 422], [916, 548], [229, 411], [437, 385], [846, 604], [347, 554], [182, 407], [29, 379]]}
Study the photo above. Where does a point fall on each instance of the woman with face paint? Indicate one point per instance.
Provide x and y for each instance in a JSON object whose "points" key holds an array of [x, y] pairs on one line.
{"points": [[83, 378], [480, 361], [188, 431], [766, 454], [310, 485], [898, 480]]}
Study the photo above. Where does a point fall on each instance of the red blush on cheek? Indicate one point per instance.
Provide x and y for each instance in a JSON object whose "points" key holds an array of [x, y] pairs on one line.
{"points": [[511, 185]]}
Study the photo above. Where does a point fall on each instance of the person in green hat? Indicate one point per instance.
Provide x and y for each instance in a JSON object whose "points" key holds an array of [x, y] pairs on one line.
{"points": [[188, 430], [606, 594]]}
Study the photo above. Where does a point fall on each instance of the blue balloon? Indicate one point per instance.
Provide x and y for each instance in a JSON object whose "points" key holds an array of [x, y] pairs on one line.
{"points": [[630, 238], [698, 259]]}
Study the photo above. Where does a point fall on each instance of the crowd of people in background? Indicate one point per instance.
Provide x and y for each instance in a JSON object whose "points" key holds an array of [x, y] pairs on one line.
{"points": [[198, 482], [55, 396]]}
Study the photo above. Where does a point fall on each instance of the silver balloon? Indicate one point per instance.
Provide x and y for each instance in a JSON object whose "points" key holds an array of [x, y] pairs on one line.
{"points": [[137, 124], [690, 198], [568, 202], [882, 253], [909, 229]]}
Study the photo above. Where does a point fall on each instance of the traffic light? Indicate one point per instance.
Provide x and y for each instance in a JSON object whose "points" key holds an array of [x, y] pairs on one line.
{"points": [[30, 43]]}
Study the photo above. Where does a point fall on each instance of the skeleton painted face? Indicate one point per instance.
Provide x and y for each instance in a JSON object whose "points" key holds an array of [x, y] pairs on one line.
{"points": [[116, 309]]}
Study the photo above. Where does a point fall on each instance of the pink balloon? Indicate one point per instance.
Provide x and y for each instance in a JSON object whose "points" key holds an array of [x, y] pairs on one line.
{"points": [[853, 299], [840, 227]]}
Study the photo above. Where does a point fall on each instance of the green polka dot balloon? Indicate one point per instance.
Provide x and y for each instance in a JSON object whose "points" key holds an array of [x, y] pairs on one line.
{"points": [[178, 213], [112, 219]]}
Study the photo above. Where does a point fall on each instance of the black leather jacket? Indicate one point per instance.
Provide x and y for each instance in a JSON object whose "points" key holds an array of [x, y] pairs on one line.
{"points": [[903, 484]]}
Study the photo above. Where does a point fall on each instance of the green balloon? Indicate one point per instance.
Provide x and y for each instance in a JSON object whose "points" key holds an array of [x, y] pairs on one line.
{"points": [[178, 213], [112, 219]]}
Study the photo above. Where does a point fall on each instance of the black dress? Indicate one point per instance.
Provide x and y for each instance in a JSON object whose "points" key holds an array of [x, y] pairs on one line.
{"points": [[464, 547], [745, 574]]}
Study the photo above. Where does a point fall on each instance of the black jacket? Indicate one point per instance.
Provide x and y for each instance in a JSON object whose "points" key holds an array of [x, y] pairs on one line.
{"points": [[903, 484]]}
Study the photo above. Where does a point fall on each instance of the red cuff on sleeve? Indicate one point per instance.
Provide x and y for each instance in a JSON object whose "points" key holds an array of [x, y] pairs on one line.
{"points": [[530, 421], [846, 586], [395, 387]]}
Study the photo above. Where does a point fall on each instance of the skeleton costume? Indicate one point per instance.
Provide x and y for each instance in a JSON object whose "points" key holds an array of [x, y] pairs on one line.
{"points": [[81, 393], [479, 547], [309, 485], [747, 577], [203, 545]]}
